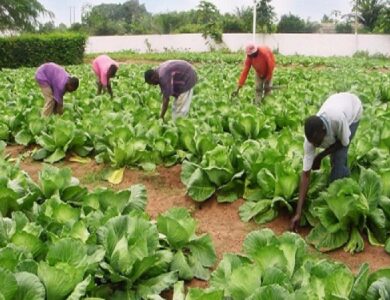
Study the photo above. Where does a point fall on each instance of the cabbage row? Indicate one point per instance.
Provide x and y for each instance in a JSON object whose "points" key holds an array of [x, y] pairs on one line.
{"points": [[282, 267], [60, 241]]}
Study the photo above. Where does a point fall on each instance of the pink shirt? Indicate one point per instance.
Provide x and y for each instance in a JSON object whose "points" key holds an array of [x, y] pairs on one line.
{"points": [[100, 66]]}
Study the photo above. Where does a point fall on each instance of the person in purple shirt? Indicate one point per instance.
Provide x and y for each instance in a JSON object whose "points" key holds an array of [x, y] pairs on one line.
{"points": [[176, 78], [54, 82]]}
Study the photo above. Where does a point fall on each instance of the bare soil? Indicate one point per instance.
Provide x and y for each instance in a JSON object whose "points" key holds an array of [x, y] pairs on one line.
{"points": [[228, 232]]}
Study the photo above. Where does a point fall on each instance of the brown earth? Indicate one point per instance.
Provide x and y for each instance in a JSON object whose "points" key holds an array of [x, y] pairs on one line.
{"points": [[165, 190]]}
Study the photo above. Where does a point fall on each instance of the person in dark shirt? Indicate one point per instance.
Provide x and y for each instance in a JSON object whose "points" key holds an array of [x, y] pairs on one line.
{"points": [[176, 78], [54, 82]]}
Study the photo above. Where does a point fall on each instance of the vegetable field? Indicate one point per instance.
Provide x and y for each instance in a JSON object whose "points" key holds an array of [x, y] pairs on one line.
{"points": [[108, 201]]}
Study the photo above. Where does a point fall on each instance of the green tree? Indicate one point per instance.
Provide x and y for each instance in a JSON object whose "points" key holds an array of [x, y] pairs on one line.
{"points": [[209, 16], [101, 20], [245, 14], [291, 24], [175, 21], [105, 19], [383, 22], [326, 19], [46, 27], [232, 23], [21, 14], [265, 16], [190, 28], [344, 27], [370, 11], [77, 27], [294, 24], [168, 22]]}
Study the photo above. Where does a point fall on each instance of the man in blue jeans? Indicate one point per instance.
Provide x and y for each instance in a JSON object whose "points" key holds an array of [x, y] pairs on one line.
{"points": [[332, 128]]}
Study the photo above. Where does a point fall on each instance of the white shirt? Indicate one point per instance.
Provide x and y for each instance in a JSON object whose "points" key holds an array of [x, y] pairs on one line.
{"points": [[338, 112]]}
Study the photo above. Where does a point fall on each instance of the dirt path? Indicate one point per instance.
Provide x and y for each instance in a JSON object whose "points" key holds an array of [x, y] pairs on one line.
{"points": [[165, 190]]}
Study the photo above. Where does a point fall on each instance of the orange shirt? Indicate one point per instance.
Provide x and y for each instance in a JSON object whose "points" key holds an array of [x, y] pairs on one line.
{"points": [[263, 63]]}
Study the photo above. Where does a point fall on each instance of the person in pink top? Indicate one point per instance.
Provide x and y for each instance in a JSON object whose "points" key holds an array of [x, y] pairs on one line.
{"points": [[105, 68]]}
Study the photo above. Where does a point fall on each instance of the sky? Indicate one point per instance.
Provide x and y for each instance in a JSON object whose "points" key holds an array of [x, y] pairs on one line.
{"points": [[307, 9]]}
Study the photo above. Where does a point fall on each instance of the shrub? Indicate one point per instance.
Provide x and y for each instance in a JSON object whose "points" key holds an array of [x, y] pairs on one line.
{"points": [[344, 28], [294, 24], [32, 50]]}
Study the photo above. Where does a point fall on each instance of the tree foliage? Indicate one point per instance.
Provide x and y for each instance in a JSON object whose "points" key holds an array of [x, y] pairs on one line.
{"points": [[106, 19], [265, 16], [21, 15], [132, 18], [383, 22], [208, 15], [344, 27], [170, 22], [294, 24], [370, 12], [245, 14]]}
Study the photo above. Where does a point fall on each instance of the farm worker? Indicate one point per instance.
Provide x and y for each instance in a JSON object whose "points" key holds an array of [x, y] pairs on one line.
{"points": [[105, 68], [54, 82], [263, 61], [332, 128], [176, 78]]}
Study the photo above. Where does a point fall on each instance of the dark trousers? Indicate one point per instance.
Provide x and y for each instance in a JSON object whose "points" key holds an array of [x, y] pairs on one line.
{"points": [[338, 159]]}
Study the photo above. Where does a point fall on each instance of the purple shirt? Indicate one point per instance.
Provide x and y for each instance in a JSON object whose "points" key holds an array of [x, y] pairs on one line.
{"points": [[176, 77], [55, 76]]}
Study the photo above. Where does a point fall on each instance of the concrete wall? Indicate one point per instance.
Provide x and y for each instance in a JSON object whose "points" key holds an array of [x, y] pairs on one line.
{"points": [[288, 44]]}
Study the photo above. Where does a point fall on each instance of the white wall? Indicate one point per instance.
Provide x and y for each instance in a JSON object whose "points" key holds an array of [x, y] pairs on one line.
{"points": [[288, 44]]}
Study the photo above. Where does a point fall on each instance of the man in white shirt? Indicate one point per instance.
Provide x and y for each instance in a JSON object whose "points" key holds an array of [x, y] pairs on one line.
{"points": [[332, 129]]}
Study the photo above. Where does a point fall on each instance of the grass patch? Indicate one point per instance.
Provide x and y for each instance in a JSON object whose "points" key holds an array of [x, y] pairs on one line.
{"points": [[92, 177]]}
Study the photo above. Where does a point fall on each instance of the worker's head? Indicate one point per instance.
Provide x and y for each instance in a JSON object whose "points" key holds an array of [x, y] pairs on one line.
{"points": [[315, 130], [151, 77], [251, 50], [72, 84], [112, 71]]}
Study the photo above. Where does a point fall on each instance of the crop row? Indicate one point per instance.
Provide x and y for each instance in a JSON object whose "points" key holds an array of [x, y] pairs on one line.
{"points": [[228, 149], [61, 241]]}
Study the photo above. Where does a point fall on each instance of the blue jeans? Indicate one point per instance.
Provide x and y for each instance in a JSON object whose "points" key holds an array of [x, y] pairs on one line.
{"points": [[338, 159]]}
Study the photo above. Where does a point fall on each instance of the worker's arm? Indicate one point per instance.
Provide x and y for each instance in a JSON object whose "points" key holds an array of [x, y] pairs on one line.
{"points": [[109, 89], [235, 93], [164, 107], [303, 188], [244, 73], [243, 76], [99, 88], [331, 149]]}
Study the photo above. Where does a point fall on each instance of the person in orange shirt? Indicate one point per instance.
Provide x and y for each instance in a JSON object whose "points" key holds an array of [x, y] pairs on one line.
{"points": [[263, 61]]}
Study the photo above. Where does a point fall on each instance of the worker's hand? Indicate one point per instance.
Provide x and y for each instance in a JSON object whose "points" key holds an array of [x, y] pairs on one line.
{"points": [[294, 223], [317, 163], [235, 94]]}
